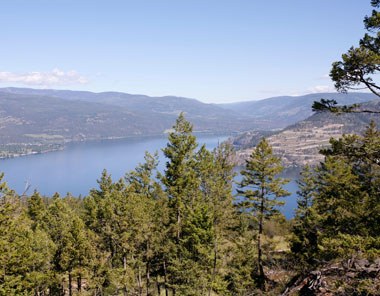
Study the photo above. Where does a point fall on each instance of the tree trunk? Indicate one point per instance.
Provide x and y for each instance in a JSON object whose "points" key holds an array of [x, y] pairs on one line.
{"points": [[125, 272], [158, 286], [214, 267], [79, 282], [140, 282], [165, 280], [147, 270], [70, 285], [112, 251], [178, 224], [260, 259]]}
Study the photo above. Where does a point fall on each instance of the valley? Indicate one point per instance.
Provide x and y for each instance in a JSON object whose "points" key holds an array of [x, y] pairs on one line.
{"points": [[35, 121]]}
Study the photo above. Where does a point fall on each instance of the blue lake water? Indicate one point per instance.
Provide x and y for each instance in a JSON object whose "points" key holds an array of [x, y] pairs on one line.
{"points": [[76, 168]]}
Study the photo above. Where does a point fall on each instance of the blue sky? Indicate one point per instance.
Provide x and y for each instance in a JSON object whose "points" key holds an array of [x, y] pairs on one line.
{"points": [[212, 50]]}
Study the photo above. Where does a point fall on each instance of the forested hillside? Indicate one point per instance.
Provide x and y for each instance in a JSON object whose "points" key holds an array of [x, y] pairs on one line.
{"points": [[183, 232], [195, 222]]}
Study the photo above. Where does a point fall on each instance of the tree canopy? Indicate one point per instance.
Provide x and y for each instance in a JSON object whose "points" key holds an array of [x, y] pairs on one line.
{"points": [[183, 232], [357, 68]]}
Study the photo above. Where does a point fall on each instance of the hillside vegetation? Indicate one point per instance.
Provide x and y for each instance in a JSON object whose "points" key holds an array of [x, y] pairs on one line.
{"points": [[300, 143], [36, 120], [31, 123], [182, 232]]}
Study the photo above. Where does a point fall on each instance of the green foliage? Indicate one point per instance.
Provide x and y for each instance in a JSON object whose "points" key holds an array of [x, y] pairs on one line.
{"points": [[338, 210], [182, 232], [304, 240], [359, 64], [357, 67], [242, 272], [332, 105], [264, 188], [25, 254], [345, 246]]}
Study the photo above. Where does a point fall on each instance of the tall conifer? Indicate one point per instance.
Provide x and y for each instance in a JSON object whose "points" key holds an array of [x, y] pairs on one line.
{"points": [[261, 188]]}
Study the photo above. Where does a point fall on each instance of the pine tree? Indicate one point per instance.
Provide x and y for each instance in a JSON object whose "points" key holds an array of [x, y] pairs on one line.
{"points": [[154, 202], [36, 209], [80, 252], [180, 177], [263, 188], [72, 246], [101, 215], [182, 187], [347, 196], [242, 268], [25, 254], [216, 175], [304, 241]]}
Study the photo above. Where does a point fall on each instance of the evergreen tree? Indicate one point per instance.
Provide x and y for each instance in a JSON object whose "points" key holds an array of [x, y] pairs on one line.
{"points": [[361, 155], [263, 188], [102, 212], [347, 198], [242, 268], [216, 175], [25, 254], [180, 178], [362, 62], [343, 219], [357, 68], [305, 225], [80, 253], [72, 251], [143, 184], [36, 209], [182, 187]]}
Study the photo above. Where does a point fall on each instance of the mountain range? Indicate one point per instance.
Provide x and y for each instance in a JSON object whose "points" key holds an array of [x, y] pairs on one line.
{"points": [[39, 120], [284, 111]]}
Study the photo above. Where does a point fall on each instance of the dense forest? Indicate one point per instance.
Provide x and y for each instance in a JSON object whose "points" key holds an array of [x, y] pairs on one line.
{"points": [[184, 232]]}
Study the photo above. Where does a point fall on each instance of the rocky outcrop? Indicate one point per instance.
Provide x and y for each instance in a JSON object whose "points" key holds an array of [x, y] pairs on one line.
{"points": [[349, 277]]}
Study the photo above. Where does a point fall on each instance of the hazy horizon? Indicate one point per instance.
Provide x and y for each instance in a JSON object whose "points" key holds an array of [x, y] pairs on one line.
{"points": [[174, 95]]}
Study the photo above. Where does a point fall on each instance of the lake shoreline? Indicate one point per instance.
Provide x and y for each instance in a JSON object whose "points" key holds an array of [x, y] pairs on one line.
{"points": [[63, 146]]}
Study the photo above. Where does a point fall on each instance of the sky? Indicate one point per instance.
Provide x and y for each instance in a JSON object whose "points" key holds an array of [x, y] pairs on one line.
{"points": [[217, 51]]}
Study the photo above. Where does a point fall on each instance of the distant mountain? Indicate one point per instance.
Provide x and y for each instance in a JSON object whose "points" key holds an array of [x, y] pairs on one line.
{"points": [[28, 119], [205, 117], [31, 121], [38, 120], [299, 143], [164, 105], [284, 111]]}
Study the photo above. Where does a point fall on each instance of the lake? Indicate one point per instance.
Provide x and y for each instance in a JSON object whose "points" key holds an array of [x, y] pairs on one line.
{"points": [[76, 168]]}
